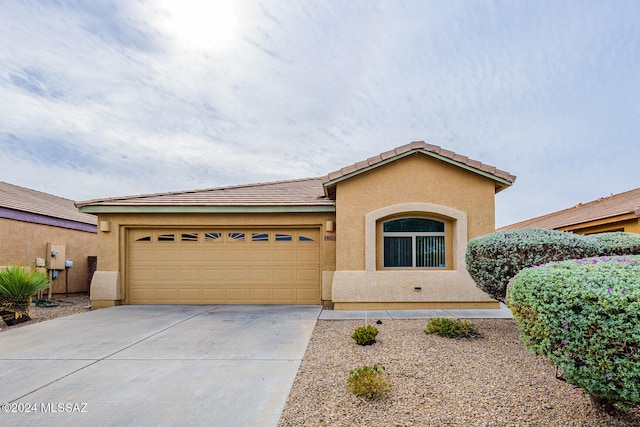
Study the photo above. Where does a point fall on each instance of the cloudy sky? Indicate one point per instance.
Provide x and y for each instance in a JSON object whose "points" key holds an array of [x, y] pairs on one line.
{"points": [[120, 97]]}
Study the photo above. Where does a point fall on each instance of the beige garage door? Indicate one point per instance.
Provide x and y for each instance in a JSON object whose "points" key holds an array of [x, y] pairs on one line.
{"points": [[223, 266]]}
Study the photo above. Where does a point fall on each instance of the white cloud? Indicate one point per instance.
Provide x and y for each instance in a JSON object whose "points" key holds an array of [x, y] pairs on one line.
{"points": [[126, 97]]}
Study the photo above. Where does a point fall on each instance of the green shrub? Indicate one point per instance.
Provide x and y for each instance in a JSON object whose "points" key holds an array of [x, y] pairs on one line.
{"points": [[493, 259], [584, 315], [618, 243], [17, 285], [451, 328], [368, 382], [365, 335]]}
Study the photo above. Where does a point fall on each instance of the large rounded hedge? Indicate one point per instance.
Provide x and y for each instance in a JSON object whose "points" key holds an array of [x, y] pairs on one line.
{"points": [[584, 315], [493, 259], [618, 243]]}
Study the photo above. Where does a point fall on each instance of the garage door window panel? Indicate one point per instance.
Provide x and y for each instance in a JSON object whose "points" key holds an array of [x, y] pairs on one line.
{"points": [[166, 237], [213, 236], [236, 237], [259, 237], [189, 237]]}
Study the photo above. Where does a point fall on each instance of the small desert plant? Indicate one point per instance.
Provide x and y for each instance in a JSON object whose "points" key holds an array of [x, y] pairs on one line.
{"points": [[368, 382], [451, 328], [365, 335], [17, 285]]}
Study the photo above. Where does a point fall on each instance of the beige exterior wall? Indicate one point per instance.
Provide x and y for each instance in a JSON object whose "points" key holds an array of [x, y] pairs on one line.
{"points": [[23, 242], [351, 276], [112, 245], [416, 184], [605, 225], [414, 179]]}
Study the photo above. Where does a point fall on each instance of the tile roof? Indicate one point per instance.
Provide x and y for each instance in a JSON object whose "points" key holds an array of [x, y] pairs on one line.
{"points": [[503, 178], [299, 192], [35, 202], [614, 205]]}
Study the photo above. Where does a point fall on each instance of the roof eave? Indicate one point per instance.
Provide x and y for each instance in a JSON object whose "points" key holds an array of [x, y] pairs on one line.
{"points": [[120, 209], [608, 219], [125, 199], [502, 186], [501, 183], [566, 225]]}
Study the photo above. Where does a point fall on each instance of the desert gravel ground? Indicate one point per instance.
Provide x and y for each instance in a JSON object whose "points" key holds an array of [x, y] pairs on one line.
{"points": [[435, 381], [493, 381], [66, 305]]}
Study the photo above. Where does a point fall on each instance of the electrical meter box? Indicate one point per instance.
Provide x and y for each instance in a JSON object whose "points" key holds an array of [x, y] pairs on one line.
{"points": [[55, 256]]}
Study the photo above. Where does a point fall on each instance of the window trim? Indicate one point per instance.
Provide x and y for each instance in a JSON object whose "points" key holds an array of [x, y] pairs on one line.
{"points": [[456, 219], [414, 241]]}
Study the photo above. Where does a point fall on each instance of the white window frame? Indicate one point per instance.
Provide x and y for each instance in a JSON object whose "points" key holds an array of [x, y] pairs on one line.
{"points": [[457, 239], [414, 247]]}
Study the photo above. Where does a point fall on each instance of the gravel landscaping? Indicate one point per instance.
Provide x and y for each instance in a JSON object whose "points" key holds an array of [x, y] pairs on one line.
{"points": [[488, 381], [492, 381], [66, 305]]}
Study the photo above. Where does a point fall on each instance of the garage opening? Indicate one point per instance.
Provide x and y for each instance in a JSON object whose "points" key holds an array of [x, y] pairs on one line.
{"points": [[223, 266]]}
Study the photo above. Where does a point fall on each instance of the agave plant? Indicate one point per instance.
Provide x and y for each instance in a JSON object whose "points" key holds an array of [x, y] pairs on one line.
{"points": [[17, 285]]}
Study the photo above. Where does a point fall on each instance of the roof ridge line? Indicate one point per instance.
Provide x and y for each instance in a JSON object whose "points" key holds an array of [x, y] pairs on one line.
{"points": [[423, 146], [37, 191], [200, 190], [609, 200], [589, 203]]}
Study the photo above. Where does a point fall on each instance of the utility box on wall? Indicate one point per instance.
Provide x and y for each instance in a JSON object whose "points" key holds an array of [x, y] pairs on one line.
{"points": [[55, 256]]}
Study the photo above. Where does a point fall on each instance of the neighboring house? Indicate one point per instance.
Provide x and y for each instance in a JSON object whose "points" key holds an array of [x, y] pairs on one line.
{"points": [[616, 212], [388, 232], [32, 221]]}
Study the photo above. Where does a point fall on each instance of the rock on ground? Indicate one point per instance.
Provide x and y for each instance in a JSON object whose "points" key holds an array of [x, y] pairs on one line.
{"points": [[66, 305], [435, 381]]}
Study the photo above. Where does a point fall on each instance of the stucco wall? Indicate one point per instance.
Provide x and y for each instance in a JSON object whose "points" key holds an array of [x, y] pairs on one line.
{"points": [[23, 242], [464, 199], [605, 225], [407, 289], [416, 184], [414, 179], [112, 244]]}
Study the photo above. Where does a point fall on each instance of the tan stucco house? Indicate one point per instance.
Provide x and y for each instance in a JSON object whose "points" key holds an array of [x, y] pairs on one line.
{"points": [[387, 232], [615, 212], [34, 224]]}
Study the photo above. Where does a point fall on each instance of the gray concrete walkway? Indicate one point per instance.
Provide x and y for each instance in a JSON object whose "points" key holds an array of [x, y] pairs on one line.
{"points": [[502, 313], [155, 366]]}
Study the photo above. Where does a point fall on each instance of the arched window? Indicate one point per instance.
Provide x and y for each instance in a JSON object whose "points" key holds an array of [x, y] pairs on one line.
{"points": [[414, 242]]}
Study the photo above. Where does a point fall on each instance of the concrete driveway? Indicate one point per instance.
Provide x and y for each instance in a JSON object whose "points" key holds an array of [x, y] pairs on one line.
{"points": [[165, 365]]}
